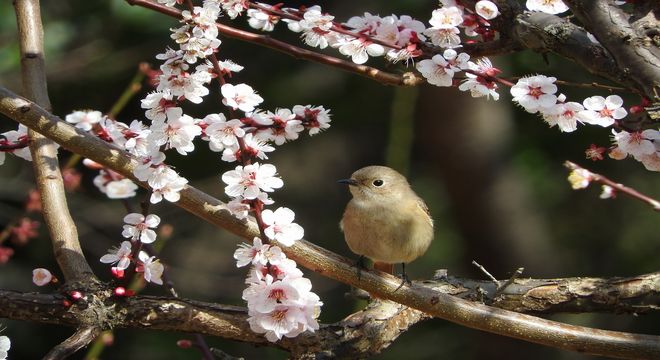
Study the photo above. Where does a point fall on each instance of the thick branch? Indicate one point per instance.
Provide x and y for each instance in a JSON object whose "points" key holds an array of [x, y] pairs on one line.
{"points": [[544, 32], [503, 322], [406, 79], [61, 227], [636, 55]]}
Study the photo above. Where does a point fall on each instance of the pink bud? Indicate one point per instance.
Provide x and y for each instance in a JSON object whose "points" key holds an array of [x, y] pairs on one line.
{"points": [[119, 291], [184, 344], [75, 295], [636, 109]]}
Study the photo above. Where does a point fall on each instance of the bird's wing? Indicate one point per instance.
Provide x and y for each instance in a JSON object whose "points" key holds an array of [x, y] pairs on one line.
{"points": [[425, 209]]}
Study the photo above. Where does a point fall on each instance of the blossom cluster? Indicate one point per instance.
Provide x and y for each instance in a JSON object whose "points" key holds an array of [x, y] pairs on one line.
{"points": [[280, 300], [279, 297], [398, 38], [139, 230], [537, 94]]}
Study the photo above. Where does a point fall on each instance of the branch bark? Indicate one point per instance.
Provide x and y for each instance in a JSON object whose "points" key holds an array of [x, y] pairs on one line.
{"points": [[62, 229], [636, 54], [432, 302]]}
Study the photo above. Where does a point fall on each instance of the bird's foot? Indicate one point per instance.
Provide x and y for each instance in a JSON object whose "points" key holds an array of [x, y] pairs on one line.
{"points": [[404, 277], [359, 266]]}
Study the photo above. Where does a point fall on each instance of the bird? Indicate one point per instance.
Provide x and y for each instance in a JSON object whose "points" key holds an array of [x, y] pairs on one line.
{"points": [[385, 220]]}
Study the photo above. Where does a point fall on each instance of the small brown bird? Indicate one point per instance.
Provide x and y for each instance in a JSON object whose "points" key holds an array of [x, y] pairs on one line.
{"points": [[385, 221]]}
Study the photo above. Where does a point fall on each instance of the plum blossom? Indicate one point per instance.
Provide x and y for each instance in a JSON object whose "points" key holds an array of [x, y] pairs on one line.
{"points": [[252, 146], [260, 20], [238, 208], [359, 49], [222, 133], [5, 345], [563, 114], [170, 191], [247, 254], [440, 69], [178, 132], [535, 93], [158, 104], [580, 178], [84, 119], [120, 256], [18, 136], [240, 96], [607, 192], [486, 9], [316, 119], [637, 143], [284, 126], [547, 6], [602, 111], [114, 185], [280, 226], [41, 276], [138, 227], [250, 180], [152, 268]]}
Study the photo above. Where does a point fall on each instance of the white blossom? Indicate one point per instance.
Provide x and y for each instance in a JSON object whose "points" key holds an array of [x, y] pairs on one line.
{"points": [[84, 119], [138, 227], [280, 226], [602, 111], [240, 96], [534, 93], [250, 180], [120, 256], [152, 268], [547, 6]]}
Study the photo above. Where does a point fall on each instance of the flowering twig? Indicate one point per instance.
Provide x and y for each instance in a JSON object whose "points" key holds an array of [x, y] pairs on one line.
{"points": [[406, 79], [591, 176]]}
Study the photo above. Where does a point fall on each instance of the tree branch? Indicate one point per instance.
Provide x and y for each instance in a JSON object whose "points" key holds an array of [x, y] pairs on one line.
{"points": [[636, 55], [61, 227], [315, 258], [77, 341], [406, 79]]}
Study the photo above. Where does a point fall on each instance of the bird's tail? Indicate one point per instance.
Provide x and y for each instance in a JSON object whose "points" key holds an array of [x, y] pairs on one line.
{"points": [[384, 267]]}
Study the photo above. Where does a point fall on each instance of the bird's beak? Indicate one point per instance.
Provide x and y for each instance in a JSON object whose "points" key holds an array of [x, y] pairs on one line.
{"points": [[348, 181]]}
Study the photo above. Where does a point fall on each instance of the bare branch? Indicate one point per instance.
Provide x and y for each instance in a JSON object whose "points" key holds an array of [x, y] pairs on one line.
{"points": [[61, 227], [315, 258], [70, 346]]}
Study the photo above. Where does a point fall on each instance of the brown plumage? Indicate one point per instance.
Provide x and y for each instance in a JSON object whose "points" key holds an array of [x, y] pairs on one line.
{"points": [[385, 221]]}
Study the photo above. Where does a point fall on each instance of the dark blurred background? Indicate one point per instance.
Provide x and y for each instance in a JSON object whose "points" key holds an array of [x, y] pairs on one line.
{"points": [[491, 174]]}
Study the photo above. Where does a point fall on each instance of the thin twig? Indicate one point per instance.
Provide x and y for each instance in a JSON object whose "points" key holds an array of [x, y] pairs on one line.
{"points": [[616, 186], [406, 79], [510, 281], [483, 270]]}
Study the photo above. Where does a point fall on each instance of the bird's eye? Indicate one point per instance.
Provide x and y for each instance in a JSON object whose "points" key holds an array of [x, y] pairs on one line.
{"points": [[378, 182]]}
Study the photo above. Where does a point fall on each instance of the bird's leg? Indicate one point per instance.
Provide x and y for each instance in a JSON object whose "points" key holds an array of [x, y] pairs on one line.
{"points": [[404, 277], [359, 265]]}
